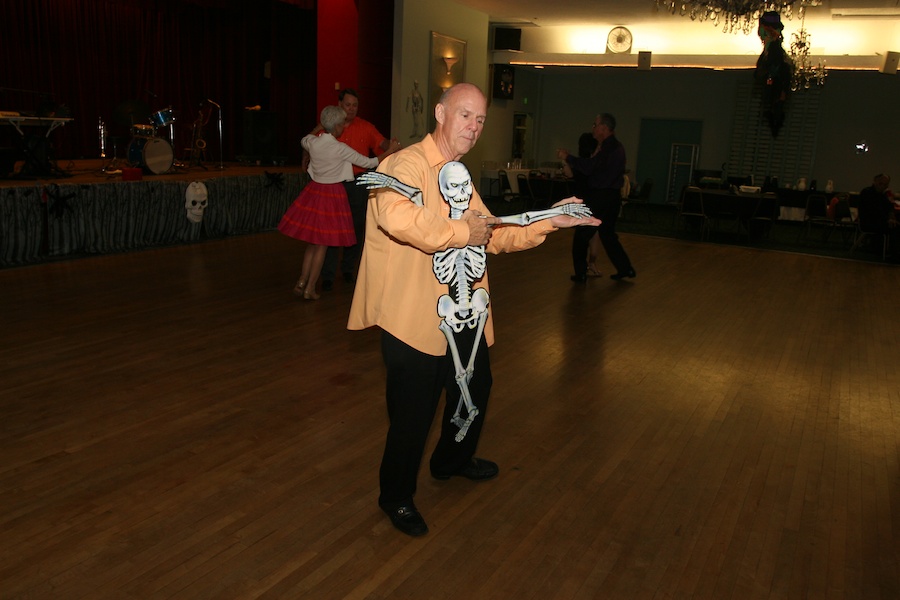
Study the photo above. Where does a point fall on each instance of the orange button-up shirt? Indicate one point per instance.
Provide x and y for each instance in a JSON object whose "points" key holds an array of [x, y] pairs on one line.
{"points": [[396, 288]]}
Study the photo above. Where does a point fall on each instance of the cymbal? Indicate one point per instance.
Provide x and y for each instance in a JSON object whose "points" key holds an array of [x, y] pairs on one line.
{"points": [[130, 112]]}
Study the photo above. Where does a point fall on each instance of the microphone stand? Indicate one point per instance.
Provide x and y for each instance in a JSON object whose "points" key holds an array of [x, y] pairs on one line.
{"points": [[221, 163]]}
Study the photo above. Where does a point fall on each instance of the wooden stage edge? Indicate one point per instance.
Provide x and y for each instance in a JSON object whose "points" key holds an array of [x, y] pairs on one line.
{"points": [[90, 171], [85, 212]]}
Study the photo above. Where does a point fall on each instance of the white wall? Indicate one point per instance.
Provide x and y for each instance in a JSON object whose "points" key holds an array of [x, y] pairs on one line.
{"points": [[858, 105], [862, 40], [855, 105], [414, 20], [572, 96]]}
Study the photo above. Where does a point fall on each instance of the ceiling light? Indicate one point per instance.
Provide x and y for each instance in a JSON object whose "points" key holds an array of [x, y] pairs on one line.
{"points": [[805, 74], [734, 15]]}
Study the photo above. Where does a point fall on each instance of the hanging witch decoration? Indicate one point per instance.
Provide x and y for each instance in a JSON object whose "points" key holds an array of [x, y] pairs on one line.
{"points": [[460, 268], [774, 70]]}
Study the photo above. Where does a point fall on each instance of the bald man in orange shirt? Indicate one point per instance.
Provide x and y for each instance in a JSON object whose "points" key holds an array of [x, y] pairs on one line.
{"points": [[397, 291]]}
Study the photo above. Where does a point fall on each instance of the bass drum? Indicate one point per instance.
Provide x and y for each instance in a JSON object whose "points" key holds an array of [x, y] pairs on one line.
{"points": [[154, 155]]}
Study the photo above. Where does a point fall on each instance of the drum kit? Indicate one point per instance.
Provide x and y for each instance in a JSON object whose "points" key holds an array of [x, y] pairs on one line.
{"points": [[147, 149], [151, 145]]}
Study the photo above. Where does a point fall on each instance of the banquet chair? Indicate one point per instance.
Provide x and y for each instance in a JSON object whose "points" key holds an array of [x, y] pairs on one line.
{"points": [[679, 199], [525, 191], [691, 210], [493, 182], [542, 190], [640, 198], [508, 196], [865, 235], [765, 215], [560, 189], [842, 219], [816, 215], [729, 214], [506, 193]]}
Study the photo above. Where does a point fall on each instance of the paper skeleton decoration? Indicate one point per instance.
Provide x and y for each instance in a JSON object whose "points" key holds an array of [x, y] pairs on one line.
{"points": [[196, 198], [459, 268]]}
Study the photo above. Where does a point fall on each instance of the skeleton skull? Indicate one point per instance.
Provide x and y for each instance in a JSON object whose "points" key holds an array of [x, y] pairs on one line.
{"points": [[456, 186], [196, 198]]}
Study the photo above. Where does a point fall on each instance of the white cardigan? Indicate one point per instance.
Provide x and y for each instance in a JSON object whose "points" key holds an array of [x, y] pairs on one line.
{"points": [[330, 161]]}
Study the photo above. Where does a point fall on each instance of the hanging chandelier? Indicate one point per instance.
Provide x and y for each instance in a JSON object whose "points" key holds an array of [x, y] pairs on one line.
{"points": [[805, 74], [733, 15]]}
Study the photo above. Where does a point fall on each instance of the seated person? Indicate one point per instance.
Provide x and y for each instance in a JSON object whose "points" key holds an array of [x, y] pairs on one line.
{"points": [[877, 214]]}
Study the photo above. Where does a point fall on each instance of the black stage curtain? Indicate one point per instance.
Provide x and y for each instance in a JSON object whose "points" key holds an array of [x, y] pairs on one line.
{"points": [[123, 59]]}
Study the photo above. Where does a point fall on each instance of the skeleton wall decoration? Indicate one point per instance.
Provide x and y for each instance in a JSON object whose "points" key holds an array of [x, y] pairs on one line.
{"points": [[460, 268], [196, 198]]}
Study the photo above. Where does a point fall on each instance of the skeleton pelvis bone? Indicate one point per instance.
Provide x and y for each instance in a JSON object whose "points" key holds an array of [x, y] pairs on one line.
{"points": [[460, 315]]}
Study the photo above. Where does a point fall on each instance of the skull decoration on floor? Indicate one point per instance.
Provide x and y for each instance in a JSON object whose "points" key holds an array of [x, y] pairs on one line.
{"points": [[196, 199]]}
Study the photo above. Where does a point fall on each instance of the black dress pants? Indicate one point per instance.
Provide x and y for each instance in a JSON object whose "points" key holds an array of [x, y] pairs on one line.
{"points": [[606, 205], [415, 381], [358, 197]]}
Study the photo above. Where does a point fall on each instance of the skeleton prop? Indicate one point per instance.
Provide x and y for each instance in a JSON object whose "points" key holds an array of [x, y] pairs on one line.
{"points": [[459, 268], [196, 198]]}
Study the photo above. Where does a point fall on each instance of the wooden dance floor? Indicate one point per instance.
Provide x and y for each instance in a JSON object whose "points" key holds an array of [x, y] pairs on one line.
{"points": [[177, 425]]}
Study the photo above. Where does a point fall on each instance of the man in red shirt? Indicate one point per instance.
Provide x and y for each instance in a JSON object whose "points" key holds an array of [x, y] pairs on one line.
{"points": [[363, 137]]}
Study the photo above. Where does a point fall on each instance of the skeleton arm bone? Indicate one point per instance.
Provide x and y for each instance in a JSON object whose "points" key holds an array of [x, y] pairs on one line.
{"points": [[374, 180], [572, 209]]}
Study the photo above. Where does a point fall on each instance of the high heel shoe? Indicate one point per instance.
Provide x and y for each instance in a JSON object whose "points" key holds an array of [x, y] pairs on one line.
{"points": [[299, 289], [310, 294]]}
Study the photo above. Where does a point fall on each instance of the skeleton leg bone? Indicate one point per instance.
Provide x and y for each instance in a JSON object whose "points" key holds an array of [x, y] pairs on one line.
{"points": [[462, 380], [480, 301]]}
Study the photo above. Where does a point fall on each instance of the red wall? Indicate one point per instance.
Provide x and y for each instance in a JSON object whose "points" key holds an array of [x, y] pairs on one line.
{"points": [[355, 45], [337, 49]]}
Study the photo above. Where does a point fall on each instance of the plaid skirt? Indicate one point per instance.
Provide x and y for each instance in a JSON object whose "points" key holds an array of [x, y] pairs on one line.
{"points": [[320, 215]]}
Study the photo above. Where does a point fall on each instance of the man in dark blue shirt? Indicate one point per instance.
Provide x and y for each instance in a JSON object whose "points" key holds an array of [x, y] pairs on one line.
{"points": [[605, 172]]}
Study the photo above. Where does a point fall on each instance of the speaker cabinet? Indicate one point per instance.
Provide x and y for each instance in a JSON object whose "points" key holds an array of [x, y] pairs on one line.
{"points": [[644, 59], [260, 139], [890, 63], [507, 38]]}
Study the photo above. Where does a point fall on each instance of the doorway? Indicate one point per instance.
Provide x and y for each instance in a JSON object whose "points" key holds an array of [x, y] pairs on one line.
{"points": [[522, 142], [655, 144]]}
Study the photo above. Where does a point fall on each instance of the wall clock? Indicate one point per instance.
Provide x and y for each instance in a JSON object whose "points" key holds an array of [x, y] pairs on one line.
{"points": [[619, 40]]}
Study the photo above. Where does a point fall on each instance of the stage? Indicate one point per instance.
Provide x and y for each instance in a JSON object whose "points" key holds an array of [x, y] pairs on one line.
{"points": [[79, 209]]}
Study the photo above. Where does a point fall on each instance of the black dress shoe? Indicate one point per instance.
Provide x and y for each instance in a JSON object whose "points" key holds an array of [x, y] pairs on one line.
{"points": [[406, 518], [327, 285], [579, 278], [478, 469], [619, 276]]}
